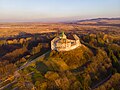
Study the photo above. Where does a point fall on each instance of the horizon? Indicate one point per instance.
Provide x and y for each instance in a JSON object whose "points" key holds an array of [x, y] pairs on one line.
{"points": [[57, 11], [61, 21]]}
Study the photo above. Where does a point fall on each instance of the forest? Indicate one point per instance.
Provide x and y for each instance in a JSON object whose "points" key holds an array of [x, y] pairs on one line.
{"points": [[93, 66]]}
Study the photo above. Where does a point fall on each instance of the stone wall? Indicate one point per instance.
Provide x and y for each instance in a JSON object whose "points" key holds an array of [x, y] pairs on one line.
{"points": [[70, 45], [68, 48]]}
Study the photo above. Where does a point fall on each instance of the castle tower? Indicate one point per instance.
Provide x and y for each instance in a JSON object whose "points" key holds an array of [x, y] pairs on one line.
{"points": [[63, 36]]}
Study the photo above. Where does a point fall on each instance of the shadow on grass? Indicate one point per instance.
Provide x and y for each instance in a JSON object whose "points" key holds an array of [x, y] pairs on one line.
{"points": [[81, 68], [47, 55], [40, 66]]}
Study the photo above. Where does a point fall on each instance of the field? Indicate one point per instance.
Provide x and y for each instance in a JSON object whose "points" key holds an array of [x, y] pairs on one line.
{"points": [[102, 25]]}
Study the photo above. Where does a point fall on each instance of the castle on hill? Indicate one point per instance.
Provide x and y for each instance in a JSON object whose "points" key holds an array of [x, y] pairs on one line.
{"points": [[62, 43]]}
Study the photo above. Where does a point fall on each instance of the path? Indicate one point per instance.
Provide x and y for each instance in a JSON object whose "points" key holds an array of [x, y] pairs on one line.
{"points": [[103, 81], [22, 67], [32, 61]]}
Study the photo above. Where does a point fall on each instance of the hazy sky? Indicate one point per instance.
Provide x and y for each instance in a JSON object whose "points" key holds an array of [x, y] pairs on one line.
{"points": [[56, 10]]}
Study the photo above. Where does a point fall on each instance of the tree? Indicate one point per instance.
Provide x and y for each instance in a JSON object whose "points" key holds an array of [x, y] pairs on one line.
{"points": [[24, 81]]}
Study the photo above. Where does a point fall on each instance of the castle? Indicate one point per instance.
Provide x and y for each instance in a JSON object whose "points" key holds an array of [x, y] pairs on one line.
{"points": [[62, 43]]}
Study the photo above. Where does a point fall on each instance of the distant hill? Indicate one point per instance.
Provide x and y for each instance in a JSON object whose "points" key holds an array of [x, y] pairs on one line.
{"points": [[99, 21]]}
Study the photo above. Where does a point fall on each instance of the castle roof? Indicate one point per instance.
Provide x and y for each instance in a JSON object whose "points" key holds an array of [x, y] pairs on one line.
{"points": [[62, 35]]}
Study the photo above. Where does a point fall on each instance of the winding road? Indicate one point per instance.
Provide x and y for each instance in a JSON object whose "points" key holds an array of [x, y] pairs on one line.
{"points": [[100, 83], [22, 67], [32, 61]]}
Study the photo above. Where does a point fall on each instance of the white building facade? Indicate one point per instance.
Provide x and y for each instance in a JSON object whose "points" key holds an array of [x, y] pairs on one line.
{"points": [[61, 43]]}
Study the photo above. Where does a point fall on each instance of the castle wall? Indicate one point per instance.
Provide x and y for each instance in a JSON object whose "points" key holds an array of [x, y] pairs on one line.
{"points": [[52, 45], [64, 45], [70, 45], [68, 48]]}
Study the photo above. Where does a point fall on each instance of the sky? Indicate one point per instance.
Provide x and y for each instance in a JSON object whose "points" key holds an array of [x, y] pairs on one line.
{"points": [[57, 10]]}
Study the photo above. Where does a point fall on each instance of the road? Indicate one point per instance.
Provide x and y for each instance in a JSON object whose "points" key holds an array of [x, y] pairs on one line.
{"points": [[3, 87], [103, 81], [32, 61], [22, 67], [14, 81]]}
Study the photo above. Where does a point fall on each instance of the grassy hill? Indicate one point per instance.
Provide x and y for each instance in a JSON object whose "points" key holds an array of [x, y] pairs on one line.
{"points": [[69, 70], [73, 58]]}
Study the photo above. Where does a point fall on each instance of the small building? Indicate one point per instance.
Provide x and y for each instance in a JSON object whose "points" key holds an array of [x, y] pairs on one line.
{"points": [[61, 43]]}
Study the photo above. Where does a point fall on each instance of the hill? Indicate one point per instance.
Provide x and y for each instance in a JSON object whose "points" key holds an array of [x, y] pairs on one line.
{"points": [[57, 70], [76, 69], [100, 21]]}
